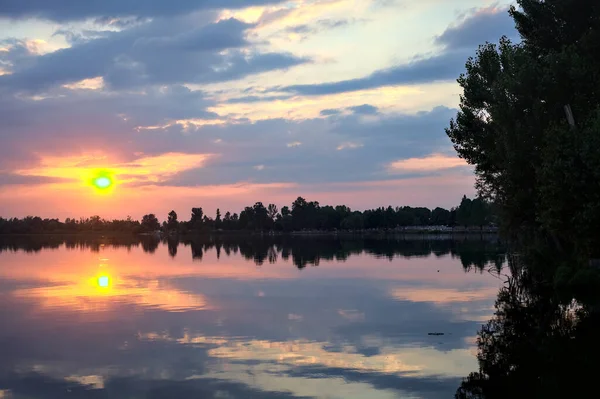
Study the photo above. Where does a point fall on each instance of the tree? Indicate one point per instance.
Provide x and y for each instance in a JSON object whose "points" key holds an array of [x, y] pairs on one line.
{"points": [[218, 221], [196, 218], [172, 222], [247, 219], [539, 168], [261, 216], [272, 211], [440, 217], [150, 222], [463, 213], [353, 222], [227, 224]]}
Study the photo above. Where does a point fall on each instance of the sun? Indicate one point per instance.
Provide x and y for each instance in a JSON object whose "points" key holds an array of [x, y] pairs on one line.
{"points": [[103, 182], [103, 281]]}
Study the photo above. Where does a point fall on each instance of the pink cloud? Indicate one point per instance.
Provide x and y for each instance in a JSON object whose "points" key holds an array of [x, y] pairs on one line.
{"points": [[429, 163]]}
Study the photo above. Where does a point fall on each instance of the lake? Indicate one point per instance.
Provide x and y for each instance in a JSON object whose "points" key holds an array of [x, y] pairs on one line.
{"points": [[243, 317]]}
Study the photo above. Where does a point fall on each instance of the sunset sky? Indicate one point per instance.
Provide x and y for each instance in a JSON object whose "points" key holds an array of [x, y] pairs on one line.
{"points": [[222, 103]]}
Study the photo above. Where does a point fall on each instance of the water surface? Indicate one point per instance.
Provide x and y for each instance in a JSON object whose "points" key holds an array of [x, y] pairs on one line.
{"points": [[242, 317]]}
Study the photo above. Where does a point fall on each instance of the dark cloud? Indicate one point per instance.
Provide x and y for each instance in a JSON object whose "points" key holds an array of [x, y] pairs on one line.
{"points": [[256, 99], [10, 178], [121, 23], [460, 42], [446, 66], [160, 52], [478, 27], [365, 109], [322, 25], [329, 112], [434, 387], [70, 10], [39, 386], [319, 26]]}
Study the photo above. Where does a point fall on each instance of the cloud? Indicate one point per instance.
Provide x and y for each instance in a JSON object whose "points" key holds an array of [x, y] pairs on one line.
{"points": [[148, 169], [429, 163], [478, 26], [445, 66], [12, 178], [460, 42], [303, 31], [329, 112], [65, 10], [348, 145], [175, 119], [159, 52], [82, 120], [256, 99], [365, 109], [87, 84], [442, 296], [317, 26]]}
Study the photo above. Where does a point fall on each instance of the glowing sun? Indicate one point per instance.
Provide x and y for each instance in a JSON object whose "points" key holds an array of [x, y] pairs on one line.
{"points": [[102, 182], [103, 281]]}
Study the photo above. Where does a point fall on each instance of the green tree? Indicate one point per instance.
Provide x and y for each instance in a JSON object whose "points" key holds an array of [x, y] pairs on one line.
{"points": [[538, 165]]}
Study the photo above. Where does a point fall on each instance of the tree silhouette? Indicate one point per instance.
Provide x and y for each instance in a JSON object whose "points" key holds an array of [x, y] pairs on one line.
{"points": [[172, 222], [150, 222]]}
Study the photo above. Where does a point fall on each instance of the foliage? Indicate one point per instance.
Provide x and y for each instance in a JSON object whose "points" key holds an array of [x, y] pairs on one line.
{"points": [[540, 171]]}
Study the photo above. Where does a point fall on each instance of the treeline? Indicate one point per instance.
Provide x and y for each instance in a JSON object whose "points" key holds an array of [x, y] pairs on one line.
{"points": [[310, 215], [35, 224], [302, 215]]}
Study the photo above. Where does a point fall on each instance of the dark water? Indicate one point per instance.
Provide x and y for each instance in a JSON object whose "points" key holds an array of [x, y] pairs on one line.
{"points": [[243, 318]]}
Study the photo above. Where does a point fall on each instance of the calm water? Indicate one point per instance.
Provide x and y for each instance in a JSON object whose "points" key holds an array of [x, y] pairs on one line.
{"points": [[241, 318]]}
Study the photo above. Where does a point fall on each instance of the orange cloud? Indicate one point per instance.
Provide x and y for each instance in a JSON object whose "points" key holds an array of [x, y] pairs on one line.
{"points": [[429, 163], [154, 169], [442, 295]]}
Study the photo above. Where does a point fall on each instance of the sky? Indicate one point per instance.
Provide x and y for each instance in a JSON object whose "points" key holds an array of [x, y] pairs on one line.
{"points": [[223, 103]]}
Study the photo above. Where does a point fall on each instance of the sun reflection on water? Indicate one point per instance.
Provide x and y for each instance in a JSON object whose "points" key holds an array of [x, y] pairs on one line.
{"points": [[108, 288]]}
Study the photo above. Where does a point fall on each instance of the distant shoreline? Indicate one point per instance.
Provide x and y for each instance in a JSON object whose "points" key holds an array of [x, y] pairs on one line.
{"points": [[395, 232]]}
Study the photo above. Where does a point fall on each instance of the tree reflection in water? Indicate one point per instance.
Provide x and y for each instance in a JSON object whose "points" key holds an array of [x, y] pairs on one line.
{"points": [[476, 252], [543, 341]]}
